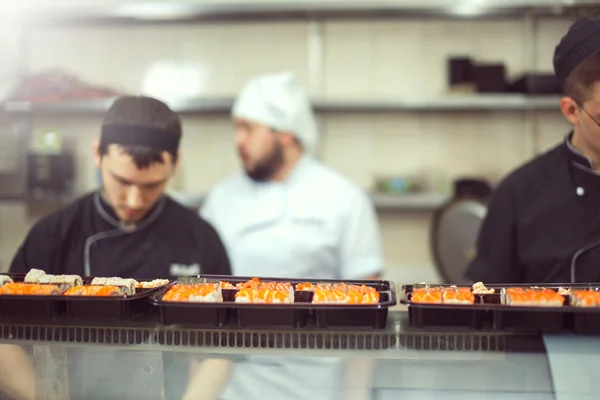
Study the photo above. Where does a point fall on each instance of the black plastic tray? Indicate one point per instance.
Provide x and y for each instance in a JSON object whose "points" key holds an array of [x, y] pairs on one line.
{"points": [[38, 307], [489, 313], [74, 307], [300, 314], [110, 307]]}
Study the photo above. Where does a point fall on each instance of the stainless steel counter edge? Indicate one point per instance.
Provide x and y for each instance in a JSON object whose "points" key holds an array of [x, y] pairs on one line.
{"points": [[398, 340]]}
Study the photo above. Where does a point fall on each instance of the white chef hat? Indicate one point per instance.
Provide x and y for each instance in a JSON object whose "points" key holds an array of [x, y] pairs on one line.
{"points": [[278, 101]]}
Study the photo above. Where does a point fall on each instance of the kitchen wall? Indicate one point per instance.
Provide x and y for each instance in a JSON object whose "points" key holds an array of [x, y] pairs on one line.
{"points": [[400, 59]]}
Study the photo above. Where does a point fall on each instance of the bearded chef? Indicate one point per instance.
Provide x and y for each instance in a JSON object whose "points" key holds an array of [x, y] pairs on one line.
{"points": [[289, 216]]}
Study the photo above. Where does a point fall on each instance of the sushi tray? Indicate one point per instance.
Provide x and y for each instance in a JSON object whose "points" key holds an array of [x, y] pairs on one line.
{"points": [[219, 301], [40, 295], [507, 307]]}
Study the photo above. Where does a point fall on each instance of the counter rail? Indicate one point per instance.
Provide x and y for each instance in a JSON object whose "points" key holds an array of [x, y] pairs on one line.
{"points": [[397, 336]]}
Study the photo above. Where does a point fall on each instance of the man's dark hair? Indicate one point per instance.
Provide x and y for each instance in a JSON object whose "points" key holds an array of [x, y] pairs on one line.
{"points": [[578, 84], [142, 112]]}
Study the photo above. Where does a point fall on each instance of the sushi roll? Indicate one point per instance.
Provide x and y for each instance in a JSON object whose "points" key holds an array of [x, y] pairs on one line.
{"points": [[34, 276], [97, 291], [371, 297], [254, 283], [29, 289], [207, 293], [65, 282], [99, 281], [305, 287], [152, 284], [426, 296], [265, 296], [4, 279], [197, 293], [584, 298], [532, 297], [130, 284], [227, 286], [246, 295], [454, 295]]}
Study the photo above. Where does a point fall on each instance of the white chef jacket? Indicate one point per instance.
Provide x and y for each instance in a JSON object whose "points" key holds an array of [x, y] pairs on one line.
{"points": [[315, 224]]}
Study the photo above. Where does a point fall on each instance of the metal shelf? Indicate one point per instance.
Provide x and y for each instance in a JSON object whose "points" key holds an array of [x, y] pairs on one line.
{"points": [[489, 103], [408, 202], [180, 11], [381, 201]]}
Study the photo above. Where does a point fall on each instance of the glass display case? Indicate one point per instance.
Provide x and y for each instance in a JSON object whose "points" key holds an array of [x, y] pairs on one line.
{"points": [[144, 360]]}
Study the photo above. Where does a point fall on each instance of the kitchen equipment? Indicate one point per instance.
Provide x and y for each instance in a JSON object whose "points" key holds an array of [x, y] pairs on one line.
{"points": [[490, 78], [535, 83], [455, 227]]}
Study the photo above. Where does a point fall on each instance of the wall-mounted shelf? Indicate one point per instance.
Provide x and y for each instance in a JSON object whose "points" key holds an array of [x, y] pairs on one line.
{"points": [[408, 202], [187, 11], [507, 102], [381, 201]]}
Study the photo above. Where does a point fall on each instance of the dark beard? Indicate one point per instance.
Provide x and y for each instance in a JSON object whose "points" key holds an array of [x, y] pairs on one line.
{"points": [[267, 168]]}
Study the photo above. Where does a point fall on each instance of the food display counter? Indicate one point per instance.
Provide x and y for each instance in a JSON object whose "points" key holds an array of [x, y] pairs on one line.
{"points": [[140, 344], [413, 363]]}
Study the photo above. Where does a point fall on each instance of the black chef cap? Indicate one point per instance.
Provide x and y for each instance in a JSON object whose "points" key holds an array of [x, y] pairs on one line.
{"points": [[581, 40], [141, 121]]}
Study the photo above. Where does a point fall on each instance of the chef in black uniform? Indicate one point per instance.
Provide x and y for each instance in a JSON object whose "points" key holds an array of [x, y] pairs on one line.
{"points": [[129, 228], [543, 221]]}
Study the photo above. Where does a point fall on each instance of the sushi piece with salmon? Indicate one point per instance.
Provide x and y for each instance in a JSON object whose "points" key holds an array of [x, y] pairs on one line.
{"points": [[196, 293], [29, 289], [227, 286], [455, 295], [426, 296], [153, 284], [97, 291], [536, 297], [345, 294], [265, 295], [305, 287], [253, 283], [584, 298]]}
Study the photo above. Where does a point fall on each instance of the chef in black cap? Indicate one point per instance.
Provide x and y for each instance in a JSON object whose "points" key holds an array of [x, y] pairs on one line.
{"points": [[129, 228], [543, 221]]}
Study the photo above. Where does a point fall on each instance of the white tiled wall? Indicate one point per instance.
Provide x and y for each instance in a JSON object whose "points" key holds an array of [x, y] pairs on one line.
{"points": [[387, 59]]}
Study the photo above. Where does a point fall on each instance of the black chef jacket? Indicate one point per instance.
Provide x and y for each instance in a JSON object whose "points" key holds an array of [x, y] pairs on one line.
{"points": [[543, 223], [87, 239]]}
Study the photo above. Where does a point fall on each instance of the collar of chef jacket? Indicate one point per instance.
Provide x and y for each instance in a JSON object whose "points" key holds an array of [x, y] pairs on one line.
{"points": [[578, 158]]}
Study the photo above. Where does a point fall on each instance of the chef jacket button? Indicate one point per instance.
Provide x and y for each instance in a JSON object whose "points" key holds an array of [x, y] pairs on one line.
{"points": [[580, 191]]}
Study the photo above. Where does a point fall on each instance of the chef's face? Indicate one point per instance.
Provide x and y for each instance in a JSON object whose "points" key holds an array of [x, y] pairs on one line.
{"points": [[585, 116], [131, 191], [260, 149]]}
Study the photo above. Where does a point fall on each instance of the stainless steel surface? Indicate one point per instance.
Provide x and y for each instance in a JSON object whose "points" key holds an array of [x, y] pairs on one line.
{"points": [[407, 362], [193, 11], [506, 102], [456, 236], [398, 340]]}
